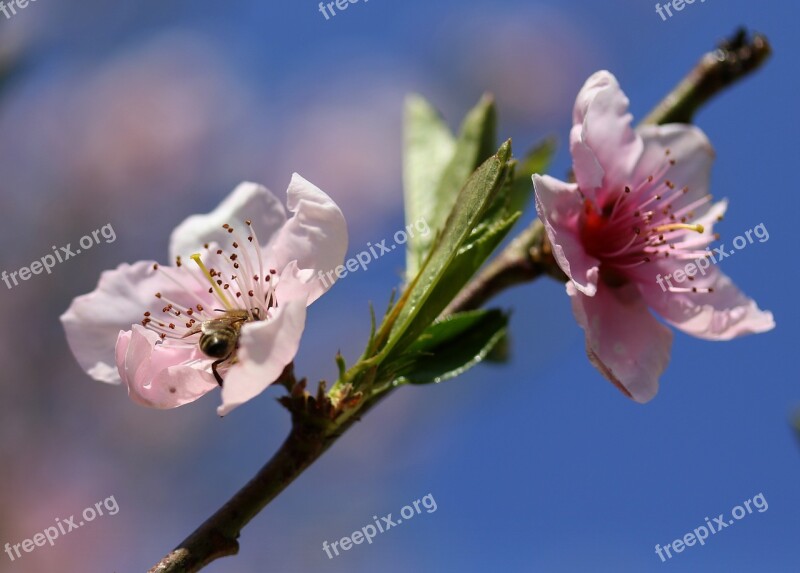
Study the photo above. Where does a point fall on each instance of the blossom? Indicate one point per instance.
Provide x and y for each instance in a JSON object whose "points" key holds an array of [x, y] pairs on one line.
{"points": [[639, 209], [229, 312]]}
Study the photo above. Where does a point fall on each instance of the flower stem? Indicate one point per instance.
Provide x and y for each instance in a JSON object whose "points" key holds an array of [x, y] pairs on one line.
{"points": [[525, 259]]}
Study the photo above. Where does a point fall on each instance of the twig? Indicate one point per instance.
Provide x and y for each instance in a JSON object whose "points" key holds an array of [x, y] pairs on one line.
{"points": [[732, 61]]}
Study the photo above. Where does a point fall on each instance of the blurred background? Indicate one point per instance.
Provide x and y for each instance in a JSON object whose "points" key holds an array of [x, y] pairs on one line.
{"points": [[138, 115]]}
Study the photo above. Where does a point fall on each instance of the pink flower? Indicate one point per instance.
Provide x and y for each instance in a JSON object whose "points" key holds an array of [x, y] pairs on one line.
{"points": [[640, 210], [232, 308]]}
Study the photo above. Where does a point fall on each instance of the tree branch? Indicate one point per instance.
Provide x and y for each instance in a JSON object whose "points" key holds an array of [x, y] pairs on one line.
{"points": [[734, 59], [218, 536], [525, 259]]}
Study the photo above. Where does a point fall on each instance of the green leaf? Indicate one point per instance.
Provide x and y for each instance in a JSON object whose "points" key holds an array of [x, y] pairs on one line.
{"points": [[502, 350], [436, 167], [470, 257], [453, 345], [458, 251], [429, 148]]}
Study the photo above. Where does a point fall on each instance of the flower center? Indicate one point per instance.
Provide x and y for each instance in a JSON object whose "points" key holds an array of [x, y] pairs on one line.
{"points": [[638, 224], [240, 290]]}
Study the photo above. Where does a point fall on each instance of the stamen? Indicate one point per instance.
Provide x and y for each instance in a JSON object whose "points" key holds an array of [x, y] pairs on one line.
{"points": [[224, 299], [674, 226]]}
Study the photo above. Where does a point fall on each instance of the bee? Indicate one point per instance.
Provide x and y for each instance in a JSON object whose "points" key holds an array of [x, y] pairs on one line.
{"points": [[219, 337]]}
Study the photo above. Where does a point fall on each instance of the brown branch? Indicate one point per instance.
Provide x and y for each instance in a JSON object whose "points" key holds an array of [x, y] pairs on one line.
{"points": [[217, 537], [525, 259], [734, 59]]}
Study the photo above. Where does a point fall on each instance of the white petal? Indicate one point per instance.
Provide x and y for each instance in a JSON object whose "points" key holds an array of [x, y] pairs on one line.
{"points": [[248, 201], [265, 349], [93, 321], [316, 236]]}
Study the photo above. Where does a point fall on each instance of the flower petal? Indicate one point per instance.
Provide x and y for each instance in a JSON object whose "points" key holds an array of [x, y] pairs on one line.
{"points": [[295, 284], [559, 206], [265, 349], [248, 201], [602, 136], [722, 314], [161, 375], [316, 236], [93, 321], [623, 340], [690, 150]]}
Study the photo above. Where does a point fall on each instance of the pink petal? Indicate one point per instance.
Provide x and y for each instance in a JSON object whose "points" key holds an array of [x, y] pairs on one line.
{"points": [[587, 169], [559, 206], [248, 201], [316, 237], [93, 321], [602, 135], [722, 314], [121, 350], [159, 375], [623, 340], [266, 348], [647, 275], [692, 153]]}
